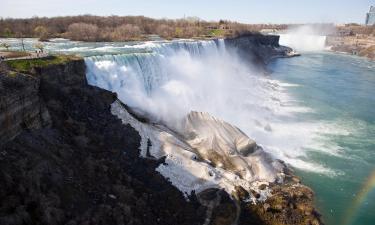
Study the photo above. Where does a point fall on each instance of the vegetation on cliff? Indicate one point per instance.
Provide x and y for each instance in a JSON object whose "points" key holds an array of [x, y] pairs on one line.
{"points": [[26, 65]]}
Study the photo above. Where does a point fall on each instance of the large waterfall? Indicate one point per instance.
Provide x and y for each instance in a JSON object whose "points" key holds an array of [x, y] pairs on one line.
{"points": [[166, 81]]}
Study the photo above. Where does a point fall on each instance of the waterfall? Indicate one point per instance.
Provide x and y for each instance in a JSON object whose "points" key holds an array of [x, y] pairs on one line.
{"points": [[304, 42], [140, 78], [166, 81]]}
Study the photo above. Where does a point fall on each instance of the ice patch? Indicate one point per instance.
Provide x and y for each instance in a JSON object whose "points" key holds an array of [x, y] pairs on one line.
{"points": [[209, 154]]}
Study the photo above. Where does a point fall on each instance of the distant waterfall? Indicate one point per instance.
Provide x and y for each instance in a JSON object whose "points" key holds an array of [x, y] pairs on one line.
{"points": [[303, 42]]}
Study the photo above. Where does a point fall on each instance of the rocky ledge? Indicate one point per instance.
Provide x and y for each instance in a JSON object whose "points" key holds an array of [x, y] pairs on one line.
{"points": [[259, 48], [76, 163]]}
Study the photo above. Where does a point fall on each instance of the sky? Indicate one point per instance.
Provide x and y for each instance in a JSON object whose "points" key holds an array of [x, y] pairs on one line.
{"points": [[246, 11]]}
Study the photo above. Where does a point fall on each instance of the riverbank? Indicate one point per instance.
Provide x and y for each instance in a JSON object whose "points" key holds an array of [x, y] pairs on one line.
{"points": [[360, 45]]}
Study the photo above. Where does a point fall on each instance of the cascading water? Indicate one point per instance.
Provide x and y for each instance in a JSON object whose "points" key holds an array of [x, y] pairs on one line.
{"points": [[306, 38], [168, 80], [303, 42]]}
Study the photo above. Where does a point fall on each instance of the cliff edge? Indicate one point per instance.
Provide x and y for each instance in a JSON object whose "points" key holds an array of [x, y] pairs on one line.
{"points": [[258, 48], [82, 166], [66, 159]]}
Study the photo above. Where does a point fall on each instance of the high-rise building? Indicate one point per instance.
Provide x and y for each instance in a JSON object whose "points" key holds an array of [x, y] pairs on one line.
{"points": [[370, 16]]}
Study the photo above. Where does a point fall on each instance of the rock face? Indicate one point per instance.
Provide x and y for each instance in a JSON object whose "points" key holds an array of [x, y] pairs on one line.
{"points": [[85, 167], [20, 105], [289, 203], [77, 163], [258, 48]]}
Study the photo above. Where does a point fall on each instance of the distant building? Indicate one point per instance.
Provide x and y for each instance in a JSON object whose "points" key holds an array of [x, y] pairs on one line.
{"points": [[370, 16]]}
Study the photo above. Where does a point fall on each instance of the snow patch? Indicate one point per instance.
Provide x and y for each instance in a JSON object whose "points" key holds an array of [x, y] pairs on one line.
{"points": [[210, 153]]}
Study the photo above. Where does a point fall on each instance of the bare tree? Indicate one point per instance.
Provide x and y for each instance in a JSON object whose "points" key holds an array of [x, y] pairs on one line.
{"points": [[83, 31], [22, 40], [165, 31], [23, 44], [39, 46], [126, 32], [41, 32], [119, 28], [7, 32]]}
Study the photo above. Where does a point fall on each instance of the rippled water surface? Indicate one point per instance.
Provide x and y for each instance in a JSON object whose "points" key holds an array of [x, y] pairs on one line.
{"points": [[340, 90]]}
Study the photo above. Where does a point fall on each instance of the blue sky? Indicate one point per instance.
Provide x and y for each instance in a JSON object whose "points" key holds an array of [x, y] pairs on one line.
{"points": [[250, 11]]}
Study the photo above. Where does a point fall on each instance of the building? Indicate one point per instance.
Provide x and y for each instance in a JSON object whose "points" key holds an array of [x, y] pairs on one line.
{"points": [[370, 16]]}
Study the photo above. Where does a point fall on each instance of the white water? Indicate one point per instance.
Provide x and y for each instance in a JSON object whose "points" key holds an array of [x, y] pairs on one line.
{"points": [[303, 42], [304, 38], [176, 78]]}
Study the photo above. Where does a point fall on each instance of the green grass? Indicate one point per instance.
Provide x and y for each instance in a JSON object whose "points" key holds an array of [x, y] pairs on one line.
{"points": [[26, 65]]}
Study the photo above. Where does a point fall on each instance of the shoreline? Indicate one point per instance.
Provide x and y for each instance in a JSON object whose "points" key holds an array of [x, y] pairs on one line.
{"points": [[362, 46]]}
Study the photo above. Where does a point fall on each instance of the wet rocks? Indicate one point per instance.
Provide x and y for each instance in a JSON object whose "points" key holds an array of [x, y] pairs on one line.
{"points": [[289, 203], [221, 208], [257, 48]]}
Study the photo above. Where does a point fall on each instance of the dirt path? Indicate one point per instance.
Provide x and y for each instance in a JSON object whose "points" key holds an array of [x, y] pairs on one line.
{"points": [[32, 55], [25, 55]]}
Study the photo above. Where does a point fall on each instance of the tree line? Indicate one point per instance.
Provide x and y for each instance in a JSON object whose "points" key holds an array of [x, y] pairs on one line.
{"points": [[121, 28]]}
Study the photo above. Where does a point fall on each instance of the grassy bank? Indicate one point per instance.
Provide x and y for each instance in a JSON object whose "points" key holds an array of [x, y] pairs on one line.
{"points": [[26, 65]]}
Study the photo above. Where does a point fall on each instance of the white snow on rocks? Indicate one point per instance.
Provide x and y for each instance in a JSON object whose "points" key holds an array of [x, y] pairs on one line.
{"points": [[207, 153]]}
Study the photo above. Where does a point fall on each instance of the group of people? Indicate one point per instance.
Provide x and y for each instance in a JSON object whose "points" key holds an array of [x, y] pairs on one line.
{"points": [[38, 52]]}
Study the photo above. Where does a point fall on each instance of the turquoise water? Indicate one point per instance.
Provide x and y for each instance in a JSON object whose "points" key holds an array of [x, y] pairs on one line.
{"points": [[340, 90]]}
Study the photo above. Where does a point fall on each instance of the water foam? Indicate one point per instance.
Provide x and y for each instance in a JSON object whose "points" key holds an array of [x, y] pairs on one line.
{"points": [[304, 38], [178, 77], [303, 42]]}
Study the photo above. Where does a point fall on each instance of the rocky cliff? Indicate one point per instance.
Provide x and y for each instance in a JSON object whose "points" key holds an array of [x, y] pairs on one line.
{"points": [[76, 163], [21, 107], [84, 167], [258, 48]]}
